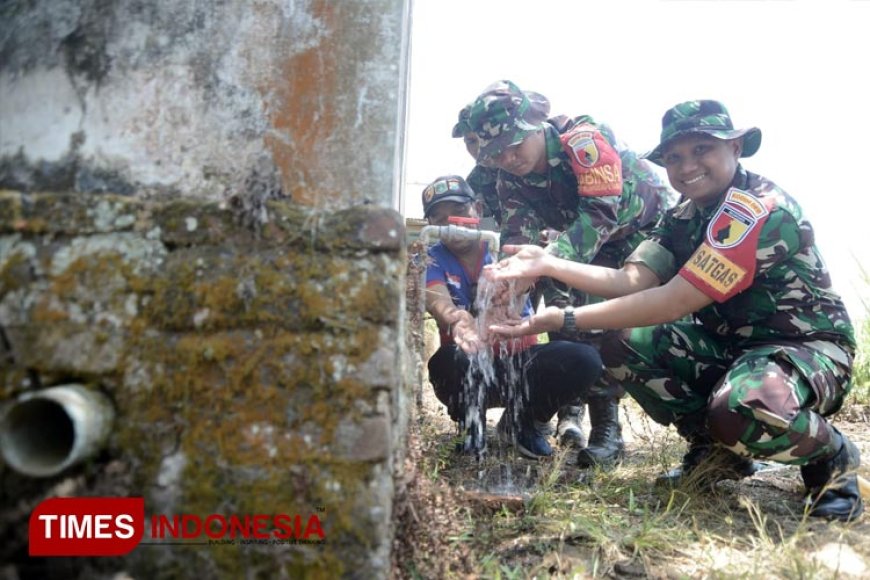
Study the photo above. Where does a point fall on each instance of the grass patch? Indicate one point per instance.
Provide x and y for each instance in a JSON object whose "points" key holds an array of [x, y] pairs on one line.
{"points": [[861, 367], [507, 517]]}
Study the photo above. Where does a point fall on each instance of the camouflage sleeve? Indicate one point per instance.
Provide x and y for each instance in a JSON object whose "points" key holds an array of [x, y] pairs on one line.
{"points": [[655, 257], [656, 252], [483, 181], [597, 219], [648, 186], [746, 238], [661, 232], [520, 223], [781, 238]]}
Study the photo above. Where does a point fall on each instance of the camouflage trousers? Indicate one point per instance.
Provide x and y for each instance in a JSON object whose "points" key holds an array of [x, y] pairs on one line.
{"points": [[765, 401]]}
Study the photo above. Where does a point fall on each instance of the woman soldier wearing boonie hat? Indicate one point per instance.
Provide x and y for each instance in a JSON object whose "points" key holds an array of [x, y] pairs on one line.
{"points": [[767, 356]]}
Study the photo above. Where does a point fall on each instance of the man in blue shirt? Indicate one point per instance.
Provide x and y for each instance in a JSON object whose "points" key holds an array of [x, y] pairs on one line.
{"points": [[471, 373]]}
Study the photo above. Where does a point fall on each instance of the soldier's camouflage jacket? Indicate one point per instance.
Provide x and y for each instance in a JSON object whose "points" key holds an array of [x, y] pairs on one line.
{"points": [[483, 181], [600, 226], [754, 253]]}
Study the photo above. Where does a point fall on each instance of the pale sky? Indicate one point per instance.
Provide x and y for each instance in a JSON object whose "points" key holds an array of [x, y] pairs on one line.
{"points": [[796, 69]]}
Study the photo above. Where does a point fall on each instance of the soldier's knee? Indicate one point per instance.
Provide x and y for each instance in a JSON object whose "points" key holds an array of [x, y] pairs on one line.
{"points": [[725, 423], [752, 399], [614, 348]]}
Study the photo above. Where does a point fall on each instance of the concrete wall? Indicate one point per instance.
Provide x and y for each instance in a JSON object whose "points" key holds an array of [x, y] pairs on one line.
{"points": [[204, 98], [195, 219]]}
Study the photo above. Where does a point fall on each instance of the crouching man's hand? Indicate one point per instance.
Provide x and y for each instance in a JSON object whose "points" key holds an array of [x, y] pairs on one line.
{"points": [[463, 328]]}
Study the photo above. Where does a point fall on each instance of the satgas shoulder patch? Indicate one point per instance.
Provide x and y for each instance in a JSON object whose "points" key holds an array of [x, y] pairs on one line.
{"points": [[724, 263], [711, 272], [595, 162]]}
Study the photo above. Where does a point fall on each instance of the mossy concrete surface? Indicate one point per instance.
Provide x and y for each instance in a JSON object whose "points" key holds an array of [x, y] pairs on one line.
{"points": [[254, 370]]}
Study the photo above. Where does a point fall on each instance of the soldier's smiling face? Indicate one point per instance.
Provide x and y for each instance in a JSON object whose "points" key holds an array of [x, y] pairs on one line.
{"points": [[524, 157], [700, 166]]}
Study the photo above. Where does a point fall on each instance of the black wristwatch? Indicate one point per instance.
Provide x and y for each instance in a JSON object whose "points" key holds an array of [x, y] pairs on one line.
{"points": [[569, 326]]}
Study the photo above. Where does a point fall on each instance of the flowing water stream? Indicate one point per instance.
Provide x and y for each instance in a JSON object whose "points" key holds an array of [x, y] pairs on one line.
{"points": [[496, 378]]}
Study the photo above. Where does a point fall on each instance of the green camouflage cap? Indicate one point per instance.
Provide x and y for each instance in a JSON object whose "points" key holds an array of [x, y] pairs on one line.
{"points": [[539, 103], [710, 117], [503, 115]]}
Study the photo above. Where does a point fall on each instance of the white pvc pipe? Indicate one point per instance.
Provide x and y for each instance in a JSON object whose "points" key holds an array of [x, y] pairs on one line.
{"points": [[44, 432], [453, 232]]}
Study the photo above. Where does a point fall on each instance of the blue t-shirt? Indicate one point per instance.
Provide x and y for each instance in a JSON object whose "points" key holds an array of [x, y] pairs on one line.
{"points": [[445, 268]]}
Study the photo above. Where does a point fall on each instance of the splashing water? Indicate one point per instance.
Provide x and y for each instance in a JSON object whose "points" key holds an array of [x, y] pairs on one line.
{"points": [[507, 378]]}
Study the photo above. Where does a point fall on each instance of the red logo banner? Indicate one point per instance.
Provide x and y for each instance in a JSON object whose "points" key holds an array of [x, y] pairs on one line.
{"points": [[595, 163], [86, 526]]}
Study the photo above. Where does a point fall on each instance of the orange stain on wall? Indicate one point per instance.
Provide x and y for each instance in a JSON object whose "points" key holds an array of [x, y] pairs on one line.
{"points": [[304, 108]]}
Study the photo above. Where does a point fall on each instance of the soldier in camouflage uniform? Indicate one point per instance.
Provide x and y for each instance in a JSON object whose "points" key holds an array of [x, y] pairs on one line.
{"points": [[573, 177], [768, 353], [483, 179]]}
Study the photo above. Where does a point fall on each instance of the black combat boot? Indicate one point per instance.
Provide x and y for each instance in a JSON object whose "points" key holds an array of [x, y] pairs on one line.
{"points": [[832, 484], [705, 463], [569, 429], [605, 447]]}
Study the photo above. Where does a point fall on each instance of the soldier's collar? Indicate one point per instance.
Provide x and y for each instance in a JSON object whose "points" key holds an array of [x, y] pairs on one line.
{"points": [[741, 178], [689, 209], [685, 210]]}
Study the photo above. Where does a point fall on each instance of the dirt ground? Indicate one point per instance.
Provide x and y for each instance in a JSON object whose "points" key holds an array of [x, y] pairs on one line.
{"points": [[509, 517]]}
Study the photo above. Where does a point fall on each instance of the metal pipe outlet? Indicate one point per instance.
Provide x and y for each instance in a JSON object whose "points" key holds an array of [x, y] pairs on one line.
{"points": [[44, 432]]}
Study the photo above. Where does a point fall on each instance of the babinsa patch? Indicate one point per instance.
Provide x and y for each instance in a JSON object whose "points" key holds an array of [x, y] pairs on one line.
{"points": [[724, 264], [595, 163], [583, 148]]}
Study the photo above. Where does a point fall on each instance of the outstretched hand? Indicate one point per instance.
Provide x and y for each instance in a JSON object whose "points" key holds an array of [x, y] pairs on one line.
{"points": [[548, 320], [525, 264]]}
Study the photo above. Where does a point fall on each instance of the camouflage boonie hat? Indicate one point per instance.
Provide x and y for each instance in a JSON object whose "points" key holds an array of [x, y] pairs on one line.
{"points": [[446, 188], [710, 117], [503, 115]]}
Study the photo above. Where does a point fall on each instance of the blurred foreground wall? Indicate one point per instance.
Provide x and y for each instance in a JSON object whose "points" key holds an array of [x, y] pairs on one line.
{"points": [[196, 219]]}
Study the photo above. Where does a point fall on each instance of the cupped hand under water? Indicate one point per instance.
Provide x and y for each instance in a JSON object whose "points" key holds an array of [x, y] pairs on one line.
{"points": [[465, 333], [523, 267], [549, 319]]}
